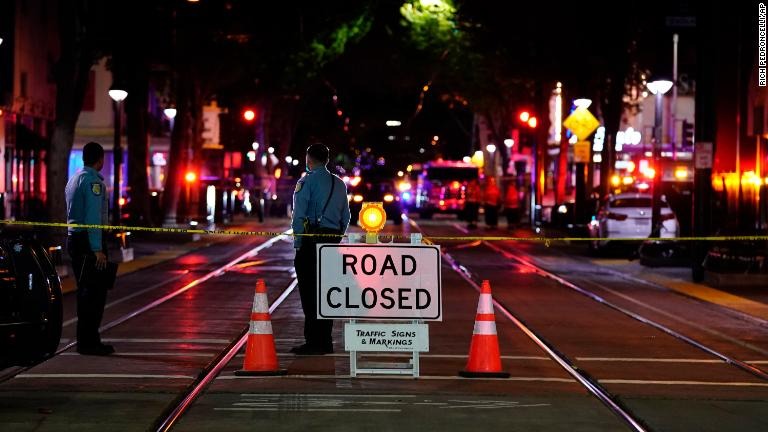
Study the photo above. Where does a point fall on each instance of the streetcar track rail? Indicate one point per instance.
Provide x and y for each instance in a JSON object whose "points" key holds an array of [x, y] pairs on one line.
{"points": [[184, 401], [753, 370], [592, 386], [16, 370]]}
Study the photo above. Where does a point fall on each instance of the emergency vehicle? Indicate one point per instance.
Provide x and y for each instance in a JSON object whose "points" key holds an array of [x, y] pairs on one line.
{"points": [[441, 187]]}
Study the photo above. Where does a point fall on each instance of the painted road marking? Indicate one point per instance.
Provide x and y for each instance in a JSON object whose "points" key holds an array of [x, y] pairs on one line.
{"points": [[421, 377], [695, 383], [398, 355], [438, 356], [328, 395], [490, 405], [107, 376], [139, 340], [309, 410], [650, 360], [245, 269], [358, 403], [149, 354]]}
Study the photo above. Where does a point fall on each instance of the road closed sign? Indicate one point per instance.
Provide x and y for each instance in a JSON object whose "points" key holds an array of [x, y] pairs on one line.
{"points": [[379, 281]]}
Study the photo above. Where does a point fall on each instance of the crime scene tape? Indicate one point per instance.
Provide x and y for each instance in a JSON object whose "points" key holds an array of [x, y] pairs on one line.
{"points": [[386, 235]]}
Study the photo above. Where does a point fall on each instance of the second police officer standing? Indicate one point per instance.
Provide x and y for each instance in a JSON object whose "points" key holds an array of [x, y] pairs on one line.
{"points": [[320, 206]]}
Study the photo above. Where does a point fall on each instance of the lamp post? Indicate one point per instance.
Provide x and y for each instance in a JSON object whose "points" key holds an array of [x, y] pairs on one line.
{"points": [[118, 95], [491, 149], [658, 88], [170, 113], [582, 170]]}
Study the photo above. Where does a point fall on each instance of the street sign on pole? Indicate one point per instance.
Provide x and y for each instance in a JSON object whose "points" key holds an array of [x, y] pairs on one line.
{"points": [[379, 281], [581, 122], [581, 152], [702, 155]]}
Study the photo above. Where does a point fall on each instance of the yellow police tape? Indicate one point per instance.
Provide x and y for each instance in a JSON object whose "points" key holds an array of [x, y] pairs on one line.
{"points": [[392, 236]]}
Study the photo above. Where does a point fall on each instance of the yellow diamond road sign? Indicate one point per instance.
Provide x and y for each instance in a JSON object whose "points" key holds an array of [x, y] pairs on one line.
{"points": [[581, 122]]}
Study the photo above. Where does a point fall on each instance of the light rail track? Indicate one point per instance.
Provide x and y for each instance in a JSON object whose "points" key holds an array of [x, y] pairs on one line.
{"points": [[594, 388], [585, 380], [636, 316], [16, 370], [184, 401]]}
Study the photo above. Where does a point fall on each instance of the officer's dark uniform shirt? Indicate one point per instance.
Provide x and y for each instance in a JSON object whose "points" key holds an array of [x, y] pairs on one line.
{"points": [[309, 198], [87, 203]]}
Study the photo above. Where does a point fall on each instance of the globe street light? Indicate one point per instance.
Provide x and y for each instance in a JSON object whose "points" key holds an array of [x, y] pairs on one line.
{"points": [[170, 114], [118, 95], [658, 88]]}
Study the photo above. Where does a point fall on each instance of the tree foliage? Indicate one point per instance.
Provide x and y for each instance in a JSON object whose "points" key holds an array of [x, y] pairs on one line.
{"points": [[327, 47], [431, 24]]}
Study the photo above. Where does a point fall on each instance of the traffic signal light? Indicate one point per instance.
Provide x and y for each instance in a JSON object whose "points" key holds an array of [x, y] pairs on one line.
{"points": [[528, 119], [249, 115], [687, 134]]}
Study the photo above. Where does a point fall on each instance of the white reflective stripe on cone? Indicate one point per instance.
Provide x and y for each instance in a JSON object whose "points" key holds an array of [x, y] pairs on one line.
{"points": [[485, 328], [260, 303], [485, 305], [261, 328]]}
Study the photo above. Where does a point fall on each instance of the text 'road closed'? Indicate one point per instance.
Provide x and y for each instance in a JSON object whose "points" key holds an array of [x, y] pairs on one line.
{"points": [[379, 282]]}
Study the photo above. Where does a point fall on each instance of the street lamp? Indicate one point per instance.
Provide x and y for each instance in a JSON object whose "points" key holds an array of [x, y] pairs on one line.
{"points": [[582, 103], [491, 149], [658, 88], [170, 114], [118, 95]]}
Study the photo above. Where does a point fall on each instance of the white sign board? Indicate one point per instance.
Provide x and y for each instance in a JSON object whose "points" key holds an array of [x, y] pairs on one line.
{"points": [[386, 337], [702, 155], [379, 281]]}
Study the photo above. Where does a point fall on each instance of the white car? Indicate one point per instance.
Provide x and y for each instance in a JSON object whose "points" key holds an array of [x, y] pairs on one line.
{"points": [[628, 216]]}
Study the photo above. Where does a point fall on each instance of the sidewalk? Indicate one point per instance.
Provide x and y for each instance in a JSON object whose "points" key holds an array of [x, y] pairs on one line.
{"points": [[747, 300], [154, 248]]}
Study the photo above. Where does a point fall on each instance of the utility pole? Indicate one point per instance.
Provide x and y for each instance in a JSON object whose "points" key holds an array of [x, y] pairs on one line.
{"points": [[673, 102], [705, 130]]}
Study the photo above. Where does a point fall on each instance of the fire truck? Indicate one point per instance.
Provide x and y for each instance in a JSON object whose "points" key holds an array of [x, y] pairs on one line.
{"points": [[441, 187]]}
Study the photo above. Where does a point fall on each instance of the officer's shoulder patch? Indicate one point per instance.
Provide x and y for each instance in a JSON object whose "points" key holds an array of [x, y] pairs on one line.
{"points": [[299, 184], [96, 188]]}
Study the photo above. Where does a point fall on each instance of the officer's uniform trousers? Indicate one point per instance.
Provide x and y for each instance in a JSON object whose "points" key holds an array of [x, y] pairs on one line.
{"points": [[317, 332], [91, 297]]}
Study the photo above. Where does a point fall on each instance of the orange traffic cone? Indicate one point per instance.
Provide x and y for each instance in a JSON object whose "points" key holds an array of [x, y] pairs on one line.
{"points": [[260, 354], [484, 358]]}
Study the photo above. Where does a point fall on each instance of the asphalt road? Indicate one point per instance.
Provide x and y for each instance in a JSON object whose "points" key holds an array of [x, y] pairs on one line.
{"points": [[665, 382]]}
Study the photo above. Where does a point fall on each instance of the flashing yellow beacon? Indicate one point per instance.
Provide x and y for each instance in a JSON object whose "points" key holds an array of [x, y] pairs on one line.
{"points": [[372, 218]]}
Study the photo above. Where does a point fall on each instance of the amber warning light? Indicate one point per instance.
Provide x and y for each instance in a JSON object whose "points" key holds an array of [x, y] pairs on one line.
{"points": [[372, 217]]}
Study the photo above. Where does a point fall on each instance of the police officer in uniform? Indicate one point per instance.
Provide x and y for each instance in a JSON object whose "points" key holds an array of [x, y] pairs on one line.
{"points": [[87, 204], [320, 205]]}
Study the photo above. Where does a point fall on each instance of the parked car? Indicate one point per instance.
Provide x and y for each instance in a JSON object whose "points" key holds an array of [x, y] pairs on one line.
{"points": [[30, 301], [628, 215]]}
